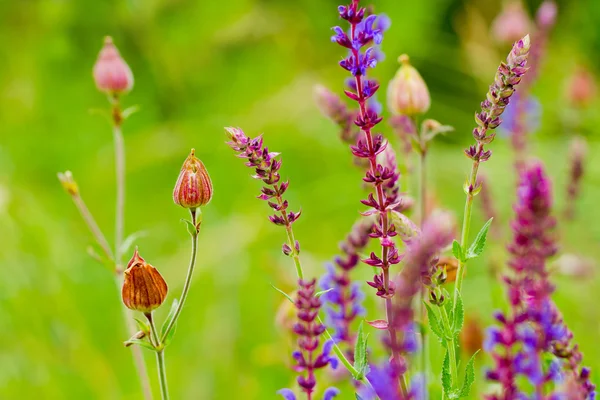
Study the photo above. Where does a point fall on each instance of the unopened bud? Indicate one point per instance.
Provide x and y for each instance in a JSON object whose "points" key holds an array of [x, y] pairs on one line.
{"points": [[546, 14], [68, 183], [287, 250], [407, 92], [449, 265], [581, 88], [194, 187], [144, 289], [111, 73]]}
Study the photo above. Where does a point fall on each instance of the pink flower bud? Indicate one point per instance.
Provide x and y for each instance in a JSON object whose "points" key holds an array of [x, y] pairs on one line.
{"points": [[581, 88], [511, 24], [111, 73], [194, 187], [546, 14], [407, 92]]}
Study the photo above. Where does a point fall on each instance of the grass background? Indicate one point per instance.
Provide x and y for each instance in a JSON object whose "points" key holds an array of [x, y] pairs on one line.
{"points": [[200, 66]]}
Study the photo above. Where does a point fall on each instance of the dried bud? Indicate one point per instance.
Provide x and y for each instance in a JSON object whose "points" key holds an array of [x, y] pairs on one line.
{"points": [[193, 188], [68, 183], [511, 24], [407, 92], [111, 73], [144, 289]]}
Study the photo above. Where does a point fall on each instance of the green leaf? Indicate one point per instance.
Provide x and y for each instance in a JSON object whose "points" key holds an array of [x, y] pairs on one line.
{"points": [[446, 378], [457, 251], [142, 325], [360, 353], [459, 316], [287, 296], [170, 317], [449, 307], [128, 112], [128, 242], [435, 325], [143, 343], [190, 227], [469, 377], [479, 244], [322, 292]]}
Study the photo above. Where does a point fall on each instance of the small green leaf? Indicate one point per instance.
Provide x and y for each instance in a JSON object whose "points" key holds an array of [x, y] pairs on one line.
{"points": [[170, 317], [446, 378], [287, 296], [469, 376], [322, 292], [435, 325], [360, 353], [459, 316], [190, 227], [128, 112], [448, 306], [129, 240], [479, 244], [457, 251], [143, 343], [142, 325]]}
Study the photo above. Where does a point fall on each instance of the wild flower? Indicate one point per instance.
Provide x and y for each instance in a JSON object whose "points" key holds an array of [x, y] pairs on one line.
{"points": [[194, 187], [309, 328], [533, 327], [407, 92]]}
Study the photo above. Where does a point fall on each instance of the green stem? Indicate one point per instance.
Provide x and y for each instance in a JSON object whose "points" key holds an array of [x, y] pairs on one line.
{"points": [[188, 278], [120, 203], [160, 359], [451, 349], [92, 225]]}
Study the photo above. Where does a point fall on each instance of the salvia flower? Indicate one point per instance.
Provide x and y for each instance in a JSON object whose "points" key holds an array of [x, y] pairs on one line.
{"points": [[343, 302], [407, 92], [533, 327], [111, 73], [332, 106], [308, 358], [508, 76], [194, 187], [384, 379], [144, 289]]}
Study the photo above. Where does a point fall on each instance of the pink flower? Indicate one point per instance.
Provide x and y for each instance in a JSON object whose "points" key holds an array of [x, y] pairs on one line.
{"points": [[111, 73]]}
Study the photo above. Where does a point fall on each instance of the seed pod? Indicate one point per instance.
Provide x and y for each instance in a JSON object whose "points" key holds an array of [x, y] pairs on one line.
{"points": [[144, 289], [407, 92], [111, 73], [194, 187]]}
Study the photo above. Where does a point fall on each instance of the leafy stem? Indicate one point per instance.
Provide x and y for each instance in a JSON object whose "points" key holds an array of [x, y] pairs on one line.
{"points": [[160, 358]]}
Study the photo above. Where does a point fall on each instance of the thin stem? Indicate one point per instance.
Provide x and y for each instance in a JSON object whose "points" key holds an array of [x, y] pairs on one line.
{"points": [[160, 359], [92, 225], [136, 351], [188, 278], [120, 203], [451, 349]]}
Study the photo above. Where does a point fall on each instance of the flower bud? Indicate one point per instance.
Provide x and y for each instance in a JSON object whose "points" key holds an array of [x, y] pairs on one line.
{"points": [[111, 73], [144, 289], [68, 183], [581, 88], [407, 92], [193, 188]]}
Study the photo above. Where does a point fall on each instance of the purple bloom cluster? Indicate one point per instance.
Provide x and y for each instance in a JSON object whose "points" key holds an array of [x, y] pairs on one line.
{"points": [[384, 380], [533, 327], [309, 329], [344, 300], [266, 168], [509, 75]]}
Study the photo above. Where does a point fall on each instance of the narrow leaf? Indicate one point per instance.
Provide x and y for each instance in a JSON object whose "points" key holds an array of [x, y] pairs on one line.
{"points": [[322, 292], [457, 251], [142, 325], [170, 317], [192, 230], [459, 316], [360, 353], [469, 377], [129, 240], [435, 324], [479, 244], [446, 378], [379, 324], [143, 343], [287, 296]]}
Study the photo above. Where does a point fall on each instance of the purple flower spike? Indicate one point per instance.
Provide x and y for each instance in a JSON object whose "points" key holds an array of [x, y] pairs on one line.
{"points": [[534, 328]]}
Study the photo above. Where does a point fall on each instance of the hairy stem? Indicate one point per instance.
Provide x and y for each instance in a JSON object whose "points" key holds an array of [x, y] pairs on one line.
{"points": [[451, 349], [160, 359], [188, 278]]}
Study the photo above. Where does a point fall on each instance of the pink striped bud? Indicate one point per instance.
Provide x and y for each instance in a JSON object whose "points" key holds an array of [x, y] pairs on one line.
{"points": [[193, 188], [111, 73]]}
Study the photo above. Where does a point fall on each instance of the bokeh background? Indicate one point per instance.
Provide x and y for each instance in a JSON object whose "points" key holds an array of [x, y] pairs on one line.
{"points": [[200, 66]]}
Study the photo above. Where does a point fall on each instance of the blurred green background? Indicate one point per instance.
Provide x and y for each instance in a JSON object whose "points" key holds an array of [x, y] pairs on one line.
{"points": [[199, 66]]}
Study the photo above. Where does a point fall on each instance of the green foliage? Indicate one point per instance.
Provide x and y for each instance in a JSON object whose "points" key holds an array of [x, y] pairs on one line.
{"points": [[437, 326], [479, 243], [459, 315], [360, 353], [165, 325], [469, 377]]}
